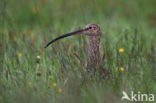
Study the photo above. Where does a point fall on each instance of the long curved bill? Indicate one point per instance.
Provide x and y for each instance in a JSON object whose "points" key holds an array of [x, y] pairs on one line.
{"points": [[65, 35]]}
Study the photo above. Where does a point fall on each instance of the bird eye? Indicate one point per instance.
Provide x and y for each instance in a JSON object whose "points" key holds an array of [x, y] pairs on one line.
{"points": [[90, 27]]}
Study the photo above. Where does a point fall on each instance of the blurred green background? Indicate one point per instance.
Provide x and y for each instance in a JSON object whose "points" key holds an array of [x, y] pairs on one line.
{"points": [[27, 25], [32, 13]]}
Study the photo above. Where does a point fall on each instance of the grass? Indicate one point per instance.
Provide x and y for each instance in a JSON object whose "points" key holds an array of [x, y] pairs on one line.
{"points": [[26, 26]]}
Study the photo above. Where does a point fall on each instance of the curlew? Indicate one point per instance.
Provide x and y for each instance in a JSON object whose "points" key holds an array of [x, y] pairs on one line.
{"points": [[94, 59]]}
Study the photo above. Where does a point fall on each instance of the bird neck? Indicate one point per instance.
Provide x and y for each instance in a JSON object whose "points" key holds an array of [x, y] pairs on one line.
{"points": [[94, 42], [94, 54]]}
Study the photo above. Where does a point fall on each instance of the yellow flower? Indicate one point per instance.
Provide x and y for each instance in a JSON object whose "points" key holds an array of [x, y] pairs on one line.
{"points": [[121, 50], [59, 90], [19, 55], [38, 57], [121, 69], [54, 84]]}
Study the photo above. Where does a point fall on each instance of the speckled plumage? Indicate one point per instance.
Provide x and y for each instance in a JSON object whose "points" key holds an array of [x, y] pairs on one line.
{"points": [[93, 31], [94, 59]]}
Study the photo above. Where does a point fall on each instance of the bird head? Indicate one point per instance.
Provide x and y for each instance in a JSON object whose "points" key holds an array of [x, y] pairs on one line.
{"points": [[90, 30]]}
